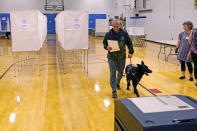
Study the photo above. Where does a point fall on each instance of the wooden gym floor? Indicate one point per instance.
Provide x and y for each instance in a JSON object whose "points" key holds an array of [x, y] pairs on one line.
{"points": [[74, 101]]}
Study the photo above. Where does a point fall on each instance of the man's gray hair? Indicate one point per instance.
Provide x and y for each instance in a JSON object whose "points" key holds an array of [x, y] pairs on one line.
{"points": [[116, 21]]}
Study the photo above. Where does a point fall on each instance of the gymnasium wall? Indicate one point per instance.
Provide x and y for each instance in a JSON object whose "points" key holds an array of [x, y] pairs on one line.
{"points": [[94, 6], [165, 22], [118, 8], [7, 5], [110, 7]]}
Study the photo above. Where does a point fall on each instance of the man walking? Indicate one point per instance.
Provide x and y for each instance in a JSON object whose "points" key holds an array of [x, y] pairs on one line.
{"points": [[116, 59]]}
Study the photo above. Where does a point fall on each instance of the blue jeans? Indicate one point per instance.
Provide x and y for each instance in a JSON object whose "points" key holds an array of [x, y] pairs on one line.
{"points": [[116, 66]]}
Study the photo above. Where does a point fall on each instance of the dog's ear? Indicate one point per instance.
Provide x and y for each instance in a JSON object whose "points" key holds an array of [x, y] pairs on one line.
{"points": [[142, 62]]}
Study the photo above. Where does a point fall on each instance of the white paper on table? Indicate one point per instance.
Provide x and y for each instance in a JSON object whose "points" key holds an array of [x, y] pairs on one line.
{"points": [[114, 45]]}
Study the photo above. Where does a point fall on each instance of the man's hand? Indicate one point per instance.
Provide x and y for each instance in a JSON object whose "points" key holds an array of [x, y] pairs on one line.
{"points": [[130, 55], [176, 50], [109, 48]]}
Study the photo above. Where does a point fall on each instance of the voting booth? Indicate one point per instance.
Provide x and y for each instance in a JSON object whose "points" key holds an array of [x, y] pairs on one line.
{"points": [[29, 30], [102, 27], [137, 34], [72, 29], [138, 31], [162, 113], [72, 38]]}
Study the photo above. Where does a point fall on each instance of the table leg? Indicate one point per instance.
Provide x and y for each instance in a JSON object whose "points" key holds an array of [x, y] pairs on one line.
{"points": [[165, 52], [160, 51], [171, 49]]}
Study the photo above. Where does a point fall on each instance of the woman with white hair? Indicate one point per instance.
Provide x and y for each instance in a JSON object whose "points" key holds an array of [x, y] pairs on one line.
{"points": [[184, 48]]}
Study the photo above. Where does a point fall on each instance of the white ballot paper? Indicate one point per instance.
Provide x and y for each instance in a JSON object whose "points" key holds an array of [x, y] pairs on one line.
{"points": [[160, 104], [114, 45]]}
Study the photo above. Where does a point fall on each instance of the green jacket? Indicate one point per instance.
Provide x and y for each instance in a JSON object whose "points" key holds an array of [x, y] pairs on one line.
{"points": [[123, 39]]}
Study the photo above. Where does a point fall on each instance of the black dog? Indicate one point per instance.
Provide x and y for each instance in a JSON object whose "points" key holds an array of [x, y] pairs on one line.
{"points": [[135, 74]]}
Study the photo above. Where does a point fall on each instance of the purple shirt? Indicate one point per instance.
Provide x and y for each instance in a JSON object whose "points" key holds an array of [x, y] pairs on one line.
{"points": [[194, 41], [184, 47]]}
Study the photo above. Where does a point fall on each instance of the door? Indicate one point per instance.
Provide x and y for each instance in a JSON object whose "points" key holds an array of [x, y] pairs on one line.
{"points": [[51, 23]]}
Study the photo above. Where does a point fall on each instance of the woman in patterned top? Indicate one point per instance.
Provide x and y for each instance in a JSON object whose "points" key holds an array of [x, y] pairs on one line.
{"points": [[193, 52], [184, 48]]}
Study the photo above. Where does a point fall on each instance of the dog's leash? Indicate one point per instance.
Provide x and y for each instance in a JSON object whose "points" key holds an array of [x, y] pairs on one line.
{"points": [[157, 97], [147, 89]]}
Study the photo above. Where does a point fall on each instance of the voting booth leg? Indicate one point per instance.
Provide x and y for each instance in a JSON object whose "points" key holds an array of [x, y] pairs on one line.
{"points": [[29, 66], [60, 57], [41, 57], [63, 59], [87, 60], [24, 65], [84, 60], [81, 58], [39, 63], [77, 57], [20, 65], [63, 62], [60, 53], [78, 53], [13, 61], [23, 58]]}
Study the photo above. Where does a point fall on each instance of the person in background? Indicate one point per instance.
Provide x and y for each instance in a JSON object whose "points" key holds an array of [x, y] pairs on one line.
{"points": [[193, 52], [183, 47], [117, 59]]}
